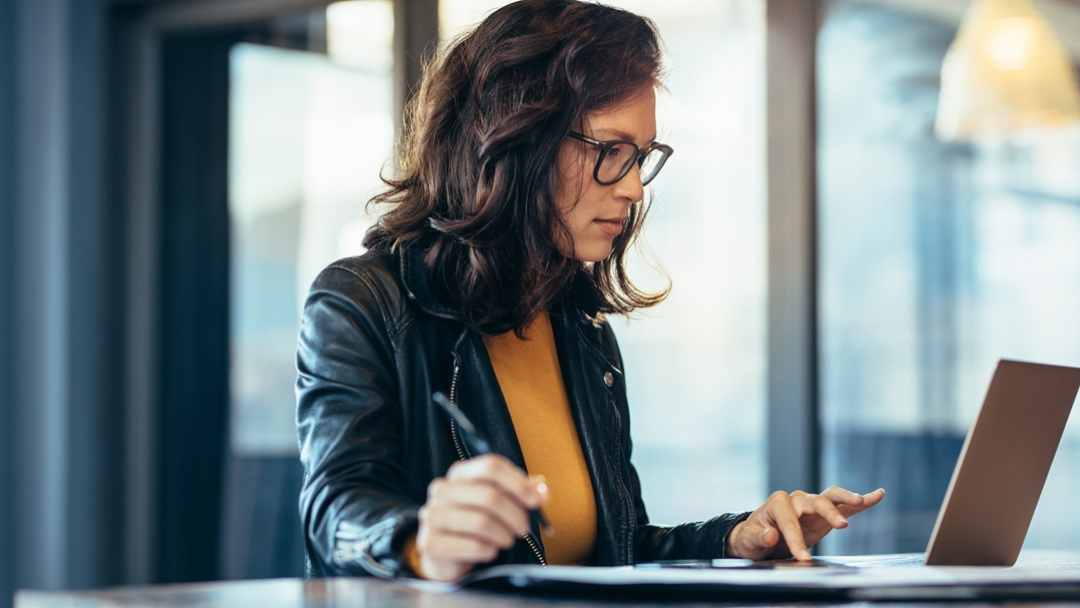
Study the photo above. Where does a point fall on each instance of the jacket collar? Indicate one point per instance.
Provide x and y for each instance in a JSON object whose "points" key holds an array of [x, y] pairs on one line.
{"points": [[417, 281]]}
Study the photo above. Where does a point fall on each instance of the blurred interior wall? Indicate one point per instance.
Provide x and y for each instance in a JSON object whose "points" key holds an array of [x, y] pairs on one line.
{"points": [[59, 479], [6, 253]]}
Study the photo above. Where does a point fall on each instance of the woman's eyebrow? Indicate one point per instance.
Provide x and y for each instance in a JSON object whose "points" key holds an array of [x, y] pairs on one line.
{"points": [[621, 134]]}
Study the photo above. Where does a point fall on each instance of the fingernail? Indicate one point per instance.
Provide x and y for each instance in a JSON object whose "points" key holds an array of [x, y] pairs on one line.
{"points": [[843, 520]]}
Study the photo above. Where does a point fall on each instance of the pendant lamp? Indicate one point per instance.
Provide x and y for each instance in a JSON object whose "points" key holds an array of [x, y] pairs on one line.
{"points": [[1006, 72]]}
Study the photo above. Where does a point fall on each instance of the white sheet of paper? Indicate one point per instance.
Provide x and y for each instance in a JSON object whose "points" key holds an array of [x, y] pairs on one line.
{"points": [[805, 578]]}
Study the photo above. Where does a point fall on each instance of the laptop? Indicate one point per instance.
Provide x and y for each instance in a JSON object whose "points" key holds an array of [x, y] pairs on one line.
{"points": [[1000, 473], [998, 478]]}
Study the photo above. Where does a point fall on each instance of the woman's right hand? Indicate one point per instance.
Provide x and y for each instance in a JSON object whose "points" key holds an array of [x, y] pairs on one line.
{"points": [[480, 507]]}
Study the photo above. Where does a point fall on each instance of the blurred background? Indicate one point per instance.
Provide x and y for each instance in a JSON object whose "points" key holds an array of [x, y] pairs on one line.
{"points": [[855, 228]]}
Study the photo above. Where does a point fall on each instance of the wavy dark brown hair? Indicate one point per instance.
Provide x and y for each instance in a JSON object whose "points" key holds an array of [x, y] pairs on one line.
{"points": [[478, 160]]}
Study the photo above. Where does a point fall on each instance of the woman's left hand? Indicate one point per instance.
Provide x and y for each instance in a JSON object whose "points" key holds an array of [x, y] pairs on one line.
{"points": [[787, 525]]}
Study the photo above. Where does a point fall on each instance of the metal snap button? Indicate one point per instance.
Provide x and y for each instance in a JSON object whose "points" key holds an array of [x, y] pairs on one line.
{"points": [[609, 379]]}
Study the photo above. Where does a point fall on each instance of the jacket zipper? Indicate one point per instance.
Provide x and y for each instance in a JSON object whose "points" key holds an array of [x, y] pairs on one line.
{"points": [[453, 399], [462, 453]]}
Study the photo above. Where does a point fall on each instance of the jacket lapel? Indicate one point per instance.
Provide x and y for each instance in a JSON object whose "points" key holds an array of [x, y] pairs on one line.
{"points": [[583, 373], [481, 398]]}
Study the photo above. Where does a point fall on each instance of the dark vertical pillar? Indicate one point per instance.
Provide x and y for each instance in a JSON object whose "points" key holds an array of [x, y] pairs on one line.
{"points": [[416, 36], [790, 63], [94, 408], [134, 133], [193, 285]]}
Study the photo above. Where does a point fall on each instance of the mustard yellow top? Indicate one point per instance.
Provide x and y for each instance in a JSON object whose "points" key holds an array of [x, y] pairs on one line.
{"points": [[532, 386]]}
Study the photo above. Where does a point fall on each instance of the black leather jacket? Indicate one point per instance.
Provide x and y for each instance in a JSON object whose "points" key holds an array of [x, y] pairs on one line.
{"points": [[374, 344]]}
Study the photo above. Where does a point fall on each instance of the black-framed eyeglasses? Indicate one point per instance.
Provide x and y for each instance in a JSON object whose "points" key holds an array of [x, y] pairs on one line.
{"points": [[616, 157]]}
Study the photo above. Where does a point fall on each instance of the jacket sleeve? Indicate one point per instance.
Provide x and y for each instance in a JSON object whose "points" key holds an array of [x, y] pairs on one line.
{"points": [[692, 540], [355, 506]]}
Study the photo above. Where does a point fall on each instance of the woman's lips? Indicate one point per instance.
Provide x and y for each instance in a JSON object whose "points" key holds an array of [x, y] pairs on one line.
{"points": [[611, 227]]}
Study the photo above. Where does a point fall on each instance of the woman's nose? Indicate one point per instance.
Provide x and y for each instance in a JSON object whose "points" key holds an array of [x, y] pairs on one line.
{"points": [[629, 187]]}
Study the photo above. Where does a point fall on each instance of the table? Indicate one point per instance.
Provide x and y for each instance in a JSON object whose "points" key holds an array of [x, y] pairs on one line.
{"points": [[365, 593]]}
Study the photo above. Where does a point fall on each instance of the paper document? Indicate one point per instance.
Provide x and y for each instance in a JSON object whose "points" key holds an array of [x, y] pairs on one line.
{"points": [[811, 577], [860, 582]]}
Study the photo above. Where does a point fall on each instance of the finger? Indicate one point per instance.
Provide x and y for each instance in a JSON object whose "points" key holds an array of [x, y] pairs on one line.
{"points": [[842, 496], [465, 521], [782, 512], [496, 469], [444, 546], [874, 497], [754, 539], [484, 496], [763, 538], [768, 536], [442, 570], [869, 499], [822, 506]]}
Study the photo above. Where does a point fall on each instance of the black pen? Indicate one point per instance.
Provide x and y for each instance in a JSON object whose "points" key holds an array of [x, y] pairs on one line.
{"points": [[479, 445]]}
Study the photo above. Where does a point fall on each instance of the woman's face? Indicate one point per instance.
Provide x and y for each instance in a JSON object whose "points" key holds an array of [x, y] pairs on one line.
{"points": [[594, 213]]}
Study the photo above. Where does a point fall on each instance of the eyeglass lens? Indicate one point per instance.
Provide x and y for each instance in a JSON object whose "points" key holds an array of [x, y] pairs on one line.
{"points": [[616, 163]]}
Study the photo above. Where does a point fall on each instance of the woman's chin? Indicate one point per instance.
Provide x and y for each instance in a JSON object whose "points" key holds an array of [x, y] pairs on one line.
{"points": [[593, 252]]}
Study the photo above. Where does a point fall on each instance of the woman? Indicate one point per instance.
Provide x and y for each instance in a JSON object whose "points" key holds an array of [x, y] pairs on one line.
{"points": [[530, 142]]}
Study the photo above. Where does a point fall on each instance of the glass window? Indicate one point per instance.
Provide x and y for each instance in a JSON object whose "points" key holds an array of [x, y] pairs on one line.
{"points": [[936, 261], [696, 363], [309, 135]]}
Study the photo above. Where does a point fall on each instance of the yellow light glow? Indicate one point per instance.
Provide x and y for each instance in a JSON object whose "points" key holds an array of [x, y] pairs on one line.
{"points": [[1011, 41], [1005, 73]]}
